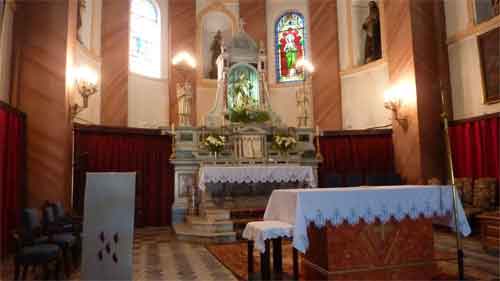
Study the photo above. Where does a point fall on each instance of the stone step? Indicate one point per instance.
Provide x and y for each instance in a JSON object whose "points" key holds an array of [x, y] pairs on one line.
{"points": [[186, 232], [217, 215], [201, 224]]}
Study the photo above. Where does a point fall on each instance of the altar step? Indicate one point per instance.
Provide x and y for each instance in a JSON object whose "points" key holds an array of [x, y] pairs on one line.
{"points": [[206, 225], [186, 232]]}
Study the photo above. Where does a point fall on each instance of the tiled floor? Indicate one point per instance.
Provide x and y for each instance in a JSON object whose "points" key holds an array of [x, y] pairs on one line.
{"points": [[159, 256]]}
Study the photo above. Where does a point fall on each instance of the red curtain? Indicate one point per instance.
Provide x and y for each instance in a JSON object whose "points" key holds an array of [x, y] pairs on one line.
{"points": [[12, 172], [346, 154], [126, 150], [475, 147]]}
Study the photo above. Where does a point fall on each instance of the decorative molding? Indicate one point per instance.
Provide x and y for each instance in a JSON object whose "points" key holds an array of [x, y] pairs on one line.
{"points": [[363, 68], [475, 118], [474, 30], [356, 133]]}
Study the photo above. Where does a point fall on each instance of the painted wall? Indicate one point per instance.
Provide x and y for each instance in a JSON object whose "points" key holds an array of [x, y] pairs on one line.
{"points": [[465, 69], [6, 50]]}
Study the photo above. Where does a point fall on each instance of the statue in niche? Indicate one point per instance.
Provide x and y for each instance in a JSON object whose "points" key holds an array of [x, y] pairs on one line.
{"points": [[216, 49], [184, 97], [303, 108], [373, 46], [242, 92], [82, 4]]}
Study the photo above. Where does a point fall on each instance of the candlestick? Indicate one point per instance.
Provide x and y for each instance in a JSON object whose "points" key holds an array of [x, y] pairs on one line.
{"points": [[317, 130]]}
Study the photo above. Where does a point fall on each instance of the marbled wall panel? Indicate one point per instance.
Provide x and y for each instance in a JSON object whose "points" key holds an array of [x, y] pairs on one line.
{"points": [[402, 79], [44, 47], [325, 56], [253, 12], [115, 52], [432, 74], [182, 30]]}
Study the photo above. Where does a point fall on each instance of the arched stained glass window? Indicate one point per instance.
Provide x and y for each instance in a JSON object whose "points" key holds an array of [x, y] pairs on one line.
{"points": [[145, 38], [290, 47]]}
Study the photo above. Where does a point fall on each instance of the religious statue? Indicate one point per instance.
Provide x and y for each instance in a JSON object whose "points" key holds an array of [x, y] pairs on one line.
{"points": [[216, 49], [496, 7], [291, 51], [82, 4], [303, 108], [184, 98], [373, 47], [242, 92]]}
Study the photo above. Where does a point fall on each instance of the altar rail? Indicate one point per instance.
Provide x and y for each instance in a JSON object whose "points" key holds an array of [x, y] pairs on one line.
{"points": [[356, 152]]}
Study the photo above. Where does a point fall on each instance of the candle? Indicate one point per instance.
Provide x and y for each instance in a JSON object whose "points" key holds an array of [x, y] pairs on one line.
{"points": [[202, 122], [317, 130], [223, 121], [173, 128]]}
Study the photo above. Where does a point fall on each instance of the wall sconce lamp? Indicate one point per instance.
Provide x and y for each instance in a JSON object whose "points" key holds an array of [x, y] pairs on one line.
{"points": [[393, 101], [86, 84]]}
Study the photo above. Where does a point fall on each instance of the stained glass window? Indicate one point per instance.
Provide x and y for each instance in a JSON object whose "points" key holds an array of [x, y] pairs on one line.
{"points": [[290, 47], [145, 38]]}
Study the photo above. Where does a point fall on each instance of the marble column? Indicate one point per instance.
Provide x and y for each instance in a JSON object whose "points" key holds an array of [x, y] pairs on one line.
{"points": [[418, 66], [324, 48], [115, 53]]}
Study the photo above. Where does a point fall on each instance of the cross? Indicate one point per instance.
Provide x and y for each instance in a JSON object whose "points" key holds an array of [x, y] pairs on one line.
{"points": [[242, 25]]}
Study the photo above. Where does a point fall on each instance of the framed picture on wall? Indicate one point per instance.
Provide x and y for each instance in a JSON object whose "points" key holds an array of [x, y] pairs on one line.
{"points": [[489, 51], [2, 9]]}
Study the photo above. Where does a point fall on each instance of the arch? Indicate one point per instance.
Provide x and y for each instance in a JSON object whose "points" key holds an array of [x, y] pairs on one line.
{"points": [[290, 46], [145, 38]]}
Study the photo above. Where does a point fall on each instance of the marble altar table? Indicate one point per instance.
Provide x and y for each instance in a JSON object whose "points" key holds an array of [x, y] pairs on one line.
{"points": [[366, 233]]}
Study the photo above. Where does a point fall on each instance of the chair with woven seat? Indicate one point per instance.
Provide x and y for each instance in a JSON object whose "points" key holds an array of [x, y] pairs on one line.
{"points": [[260, 234], [28, 254]]}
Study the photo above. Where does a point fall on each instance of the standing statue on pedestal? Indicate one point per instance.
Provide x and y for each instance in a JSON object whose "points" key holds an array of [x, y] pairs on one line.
{"points": [[302, 108], [216, 51], [184, 98], [373, 46]]}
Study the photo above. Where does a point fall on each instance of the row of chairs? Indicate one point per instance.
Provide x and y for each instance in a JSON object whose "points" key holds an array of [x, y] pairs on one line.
{"points": [[51, 241], [336, 180]]}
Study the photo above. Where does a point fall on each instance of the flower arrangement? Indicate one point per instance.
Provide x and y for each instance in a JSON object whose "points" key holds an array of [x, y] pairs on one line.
{"points": [[248, 114], [284, 143], [214, 143]]}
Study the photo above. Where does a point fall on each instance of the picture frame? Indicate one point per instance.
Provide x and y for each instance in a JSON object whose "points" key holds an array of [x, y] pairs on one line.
{"points": [[489, 55], [3, 3]]}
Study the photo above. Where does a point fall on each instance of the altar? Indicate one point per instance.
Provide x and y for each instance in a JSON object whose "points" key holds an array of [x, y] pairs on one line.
{"points": [[240, 151]]}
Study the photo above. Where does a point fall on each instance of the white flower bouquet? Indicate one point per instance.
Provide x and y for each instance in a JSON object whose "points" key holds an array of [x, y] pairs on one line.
{"points": [[284, 143], [215, 143]]}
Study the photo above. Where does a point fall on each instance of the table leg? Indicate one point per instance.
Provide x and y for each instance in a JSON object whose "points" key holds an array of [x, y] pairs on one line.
{"points": [[250, 257], [277, 256], [265, 264], [295, 264]]}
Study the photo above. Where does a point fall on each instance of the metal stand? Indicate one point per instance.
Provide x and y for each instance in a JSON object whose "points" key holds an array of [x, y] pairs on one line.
{"points": [[460, 251]]}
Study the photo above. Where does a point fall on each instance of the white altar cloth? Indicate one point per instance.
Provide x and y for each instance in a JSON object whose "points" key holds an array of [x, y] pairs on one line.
{"points": [[299, 207], [256, 174]]}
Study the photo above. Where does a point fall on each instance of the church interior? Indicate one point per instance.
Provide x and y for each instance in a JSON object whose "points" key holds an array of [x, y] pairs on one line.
{"points": [[250, 139]]}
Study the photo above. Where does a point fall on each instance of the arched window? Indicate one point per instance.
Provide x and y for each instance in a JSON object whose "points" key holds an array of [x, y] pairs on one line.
{"points": [[145, 38], [290, 47]]}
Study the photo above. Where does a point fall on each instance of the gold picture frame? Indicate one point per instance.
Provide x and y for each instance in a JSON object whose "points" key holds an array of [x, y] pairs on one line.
{"points": [[489, 56]]}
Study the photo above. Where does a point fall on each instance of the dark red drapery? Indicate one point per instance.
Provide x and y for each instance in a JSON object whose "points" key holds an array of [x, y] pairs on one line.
{"points": [[357, 153], [124, 150], [475, 147], [12, 171]]}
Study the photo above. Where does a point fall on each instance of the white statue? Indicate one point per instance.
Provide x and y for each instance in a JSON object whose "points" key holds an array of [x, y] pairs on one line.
{"points": [[184, 98], [302, 108]]}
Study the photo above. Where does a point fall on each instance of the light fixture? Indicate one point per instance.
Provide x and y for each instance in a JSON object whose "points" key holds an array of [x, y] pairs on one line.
{"points": [[393, 101], [184, 58], [86, 83]]}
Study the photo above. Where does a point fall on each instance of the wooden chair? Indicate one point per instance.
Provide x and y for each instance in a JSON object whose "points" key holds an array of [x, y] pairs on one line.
{"points": [[28, 254]]}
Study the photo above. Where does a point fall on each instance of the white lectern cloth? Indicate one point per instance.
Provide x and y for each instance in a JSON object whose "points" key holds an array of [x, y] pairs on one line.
{"points": [[256, 174], [299, 207], [260, 231]]}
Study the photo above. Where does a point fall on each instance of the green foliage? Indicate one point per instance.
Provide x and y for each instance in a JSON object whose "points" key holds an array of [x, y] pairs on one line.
{"points": [[244, 115]]}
